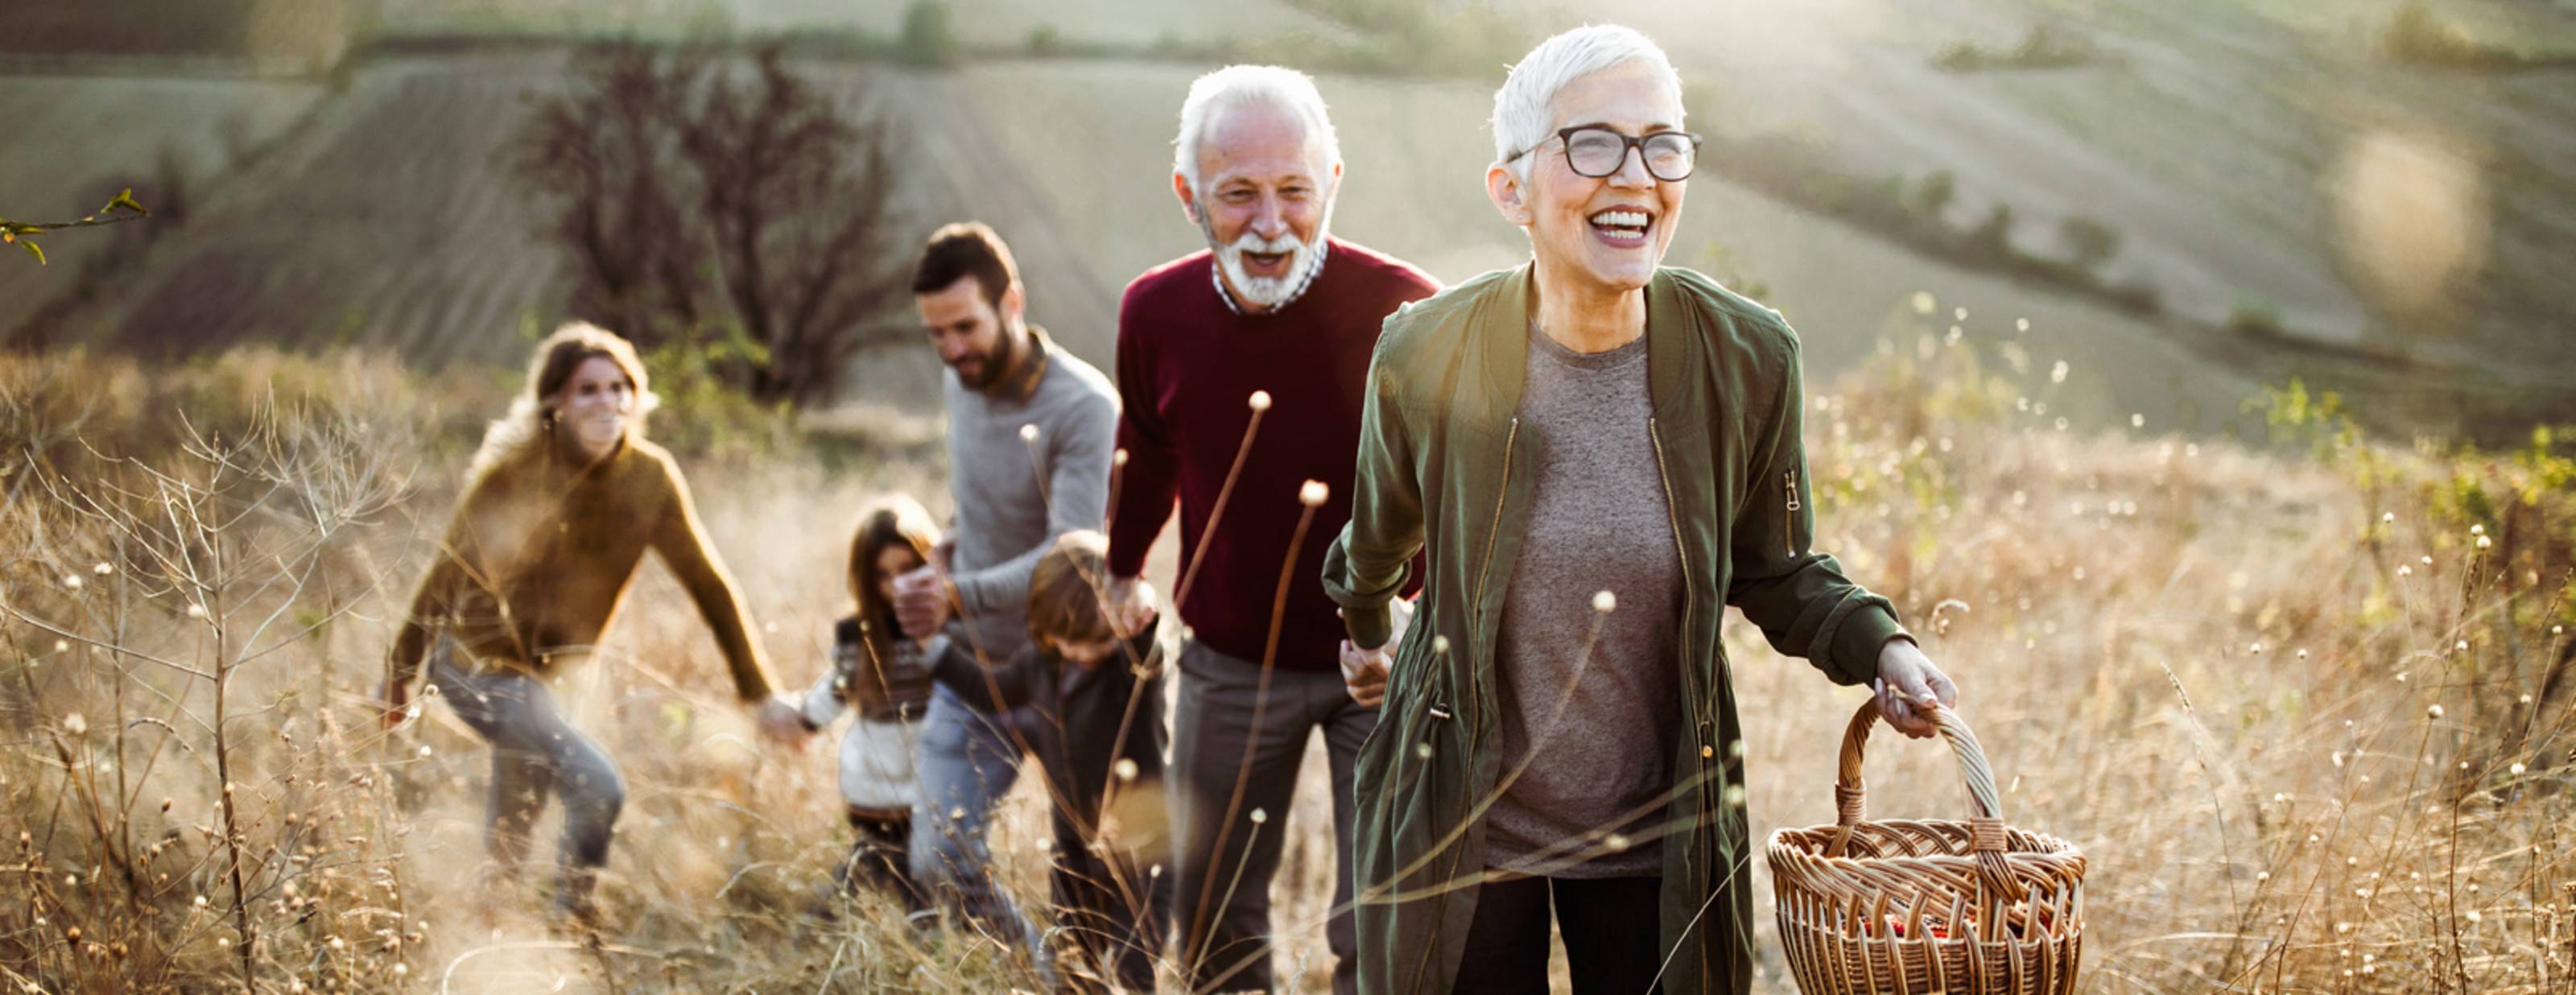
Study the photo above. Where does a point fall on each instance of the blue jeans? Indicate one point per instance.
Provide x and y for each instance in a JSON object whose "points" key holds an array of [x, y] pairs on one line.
{"points": [[969, 760], [535, 756]]}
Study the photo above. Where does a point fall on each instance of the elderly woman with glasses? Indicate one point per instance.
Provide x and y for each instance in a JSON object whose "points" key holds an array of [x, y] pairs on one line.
{"points": [[1601, 454]]}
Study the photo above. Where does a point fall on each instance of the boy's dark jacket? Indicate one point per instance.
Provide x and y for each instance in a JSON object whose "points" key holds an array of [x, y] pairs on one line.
{"points": [[1088, 719]]}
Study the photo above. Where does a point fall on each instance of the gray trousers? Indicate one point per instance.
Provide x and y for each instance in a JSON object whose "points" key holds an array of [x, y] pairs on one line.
{"points": [[1221, 891], [535, 755]]}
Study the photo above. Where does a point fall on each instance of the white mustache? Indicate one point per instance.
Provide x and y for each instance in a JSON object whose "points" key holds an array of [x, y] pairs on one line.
{"points": [[1249, 242]]}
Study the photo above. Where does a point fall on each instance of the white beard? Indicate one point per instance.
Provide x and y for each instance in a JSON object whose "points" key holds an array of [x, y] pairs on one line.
{"points": [[1267, 291]]}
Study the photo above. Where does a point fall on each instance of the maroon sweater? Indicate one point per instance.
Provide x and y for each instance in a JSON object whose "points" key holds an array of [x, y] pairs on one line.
{"points": [[1187, 366]]}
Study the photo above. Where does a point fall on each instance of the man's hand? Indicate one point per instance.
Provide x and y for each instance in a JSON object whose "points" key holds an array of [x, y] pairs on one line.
{"points": [[1364, 673], [782, 722], [1131, 604], [396, 696], [923, 601], [1905, 676]]}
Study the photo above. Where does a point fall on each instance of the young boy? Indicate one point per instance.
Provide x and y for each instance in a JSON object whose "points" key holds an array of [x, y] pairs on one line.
{"points": [[1102, 749]]}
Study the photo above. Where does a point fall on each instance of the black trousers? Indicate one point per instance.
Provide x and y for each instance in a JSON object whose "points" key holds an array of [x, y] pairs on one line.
{"points": [[1611, 927]]}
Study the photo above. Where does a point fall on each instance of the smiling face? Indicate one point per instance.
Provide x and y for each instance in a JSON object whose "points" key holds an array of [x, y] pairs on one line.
{"points": [[594, 405], [972, 335], [1609, 231], [1264, 200]]}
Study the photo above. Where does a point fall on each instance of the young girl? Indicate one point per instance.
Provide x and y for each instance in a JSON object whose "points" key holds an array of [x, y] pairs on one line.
{"points": [[886, 679]]}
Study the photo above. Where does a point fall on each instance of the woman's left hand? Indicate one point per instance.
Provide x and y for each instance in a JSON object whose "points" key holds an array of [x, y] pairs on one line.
{"points": [[1905, 675]]}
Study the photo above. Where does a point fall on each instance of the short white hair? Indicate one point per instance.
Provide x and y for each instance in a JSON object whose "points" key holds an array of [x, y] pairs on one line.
{"points": [[1248, 86], [1521, 118]]}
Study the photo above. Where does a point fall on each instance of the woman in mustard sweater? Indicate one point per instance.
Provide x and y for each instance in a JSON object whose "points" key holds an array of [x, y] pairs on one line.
{"points": [[560, 504]]}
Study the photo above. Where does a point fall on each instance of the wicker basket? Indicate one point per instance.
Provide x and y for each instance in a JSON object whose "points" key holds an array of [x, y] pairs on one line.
{"points": [[1913, 908]]}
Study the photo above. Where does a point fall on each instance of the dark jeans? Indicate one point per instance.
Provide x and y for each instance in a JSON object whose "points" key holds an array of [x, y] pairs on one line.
{"points": [[536, 755], [1221, 891], [1611, 927]]}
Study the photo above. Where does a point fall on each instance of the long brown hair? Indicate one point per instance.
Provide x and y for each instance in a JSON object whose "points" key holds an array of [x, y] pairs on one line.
{"points": [[520, 432], [894, 520]]}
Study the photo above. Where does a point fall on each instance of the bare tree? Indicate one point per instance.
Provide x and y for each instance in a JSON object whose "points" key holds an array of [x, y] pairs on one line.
{"points": [[702, 200]]}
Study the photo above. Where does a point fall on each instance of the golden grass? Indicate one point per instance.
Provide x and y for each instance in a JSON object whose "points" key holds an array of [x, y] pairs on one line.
{"points": [[2312, 732]]}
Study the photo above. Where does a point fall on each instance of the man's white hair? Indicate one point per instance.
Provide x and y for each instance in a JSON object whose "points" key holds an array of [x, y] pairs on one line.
{"points": [[1521, 106], [1248, 86]]}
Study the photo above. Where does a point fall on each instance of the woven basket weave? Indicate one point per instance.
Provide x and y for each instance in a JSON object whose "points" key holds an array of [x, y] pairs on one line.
{"points": [[1918, 907]]}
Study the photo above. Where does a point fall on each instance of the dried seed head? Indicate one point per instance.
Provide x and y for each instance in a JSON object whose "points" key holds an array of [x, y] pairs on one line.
{"points": [[1605, 602], [1313, 493], [1260, 815], [75, 725], [1126, 769], [103, 569], [1260, 401], [1118, 458], [1029, 432], [2433, 712], [196, 610]]}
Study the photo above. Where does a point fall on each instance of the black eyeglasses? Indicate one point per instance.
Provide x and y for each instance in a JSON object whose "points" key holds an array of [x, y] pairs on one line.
{"points": [[1595, 151]]}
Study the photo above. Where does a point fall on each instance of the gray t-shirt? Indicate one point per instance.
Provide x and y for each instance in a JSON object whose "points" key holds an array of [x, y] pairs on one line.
{"points": [[1596, 730]]}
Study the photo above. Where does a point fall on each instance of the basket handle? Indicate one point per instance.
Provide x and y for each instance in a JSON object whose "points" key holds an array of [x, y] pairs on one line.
{"points": [[1986, 838]]}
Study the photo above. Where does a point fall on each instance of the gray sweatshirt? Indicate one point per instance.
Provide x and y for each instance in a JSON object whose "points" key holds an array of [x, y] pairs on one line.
{"points": [[1015, 496]]}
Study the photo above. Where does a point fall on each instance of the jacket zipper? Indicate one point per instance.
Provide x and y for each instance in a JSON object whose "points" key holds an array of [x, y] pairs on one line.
{"points": [[1792, 478], [1690, 599], [1475, 679], [1690, 606], [1485, 573]]}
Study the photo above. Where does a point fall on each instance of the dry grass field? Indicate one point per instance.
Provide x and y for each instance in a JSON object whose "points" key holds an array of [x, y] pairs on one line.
{"points": [[2306, 708], [2294, 672]]}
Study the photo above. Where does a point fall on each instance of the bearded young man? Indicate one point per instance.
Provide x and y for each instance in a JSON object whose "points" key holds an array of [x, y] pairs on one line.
{"points": [[1277, 308], [1030, 430]]}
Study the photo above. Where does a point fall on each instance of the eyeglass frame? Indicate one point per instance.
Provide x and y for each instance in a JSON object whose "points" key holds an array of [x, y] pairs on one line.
{"points": [[1628, 143]]}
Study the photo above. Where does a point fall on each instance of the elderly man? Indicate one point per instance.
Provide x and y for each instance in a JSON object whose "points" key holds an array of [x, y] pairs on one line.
{"points": [[1277, 320], [1601, 454]]}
